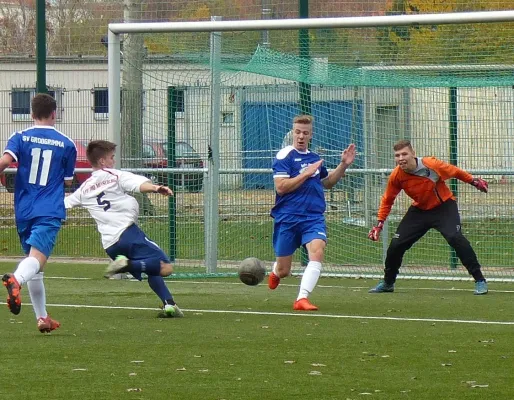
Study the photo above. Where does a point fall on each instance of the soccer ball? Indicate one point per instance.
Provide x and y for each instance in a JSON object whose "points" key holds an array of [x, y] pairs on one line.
{"points": [[169, 310], [251, 271]]}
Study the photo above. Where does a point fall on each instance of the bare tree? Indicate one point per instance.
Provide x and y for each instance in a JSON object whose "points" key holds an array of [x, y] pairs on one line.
{"points": [[132, 95], [17, 27]]}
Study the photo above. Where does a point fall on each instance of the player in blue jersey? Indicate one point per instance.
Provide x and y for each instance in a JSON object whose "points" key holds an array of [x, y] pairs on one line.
{"points": [[46, 161], [300, 178]]}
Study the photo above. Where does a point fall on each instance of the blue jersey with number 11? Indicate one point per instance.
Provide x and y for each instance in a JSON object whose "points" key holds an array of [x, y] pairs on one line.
{"points": [[45, 157]]}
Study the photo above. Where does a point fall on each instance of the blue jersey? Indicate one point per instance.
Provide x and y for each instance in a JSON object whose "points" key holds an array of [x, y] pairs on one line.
{"points": [[45, 159], [308, 201]]}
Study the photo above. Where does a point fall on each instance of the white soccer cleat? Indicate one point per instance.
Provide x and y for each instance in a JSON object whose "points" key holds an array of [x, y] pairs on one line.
{"points": [[119, 277], [172, 311], [115, 266]]}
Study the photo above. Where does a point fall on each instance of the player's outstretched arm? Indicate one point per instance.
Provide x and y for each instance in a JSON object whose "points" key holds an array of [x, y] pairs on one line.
{"points": [[73, 200], [480, 184], [5, 161], [386, 203], [347, 157], [374, 233], [149, 187]]}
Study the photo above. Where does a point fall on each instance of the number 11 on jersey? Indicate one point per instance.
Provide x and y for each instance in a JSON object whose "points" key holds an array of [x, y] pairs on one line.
{"points": [[34, 166]]}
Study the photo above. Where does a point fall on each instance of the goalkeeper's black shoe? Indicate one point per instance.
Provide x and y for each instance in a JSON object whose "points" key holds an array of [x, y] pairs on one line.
{"points": [[382, 287]]}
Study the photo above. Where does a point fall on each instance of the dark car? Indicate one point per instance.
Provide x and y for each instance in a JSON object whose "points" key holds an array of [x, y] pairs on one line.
{"points": [[7, 179], [155, 155]]}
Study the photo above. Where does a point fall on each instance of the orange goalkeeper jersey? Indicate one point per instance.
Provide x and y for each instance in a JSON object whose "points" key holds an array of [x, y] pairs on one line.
{"points": [[425, 185]]}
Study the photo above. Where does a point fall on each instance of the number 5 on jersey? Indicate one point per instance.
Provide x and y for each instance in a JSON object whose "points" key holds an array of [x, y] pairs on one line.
{"points": [[105, 203]]}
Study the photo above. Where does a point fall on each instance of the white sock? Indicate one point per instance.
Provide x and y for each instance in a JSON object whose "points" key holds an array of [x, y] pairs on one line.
{"points": [[309, 279], [37, 293], [27, 269], [274, 269]]}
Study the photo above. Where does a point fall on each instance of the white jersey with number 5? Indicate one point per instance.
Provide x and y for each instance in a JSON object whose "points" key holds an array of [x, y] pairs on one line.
{"points": [[105, 196]]}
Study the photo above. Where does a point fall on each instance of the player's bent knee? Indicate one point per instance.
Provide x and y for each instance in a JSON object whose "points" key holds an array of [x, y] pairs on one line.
{"points": [[166, 269], [457, 241]]}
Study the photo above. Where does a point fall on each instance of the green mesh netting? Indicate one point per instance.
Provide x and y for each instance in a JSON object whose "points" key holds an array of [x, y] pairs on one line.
{"points": [[292, 67]]}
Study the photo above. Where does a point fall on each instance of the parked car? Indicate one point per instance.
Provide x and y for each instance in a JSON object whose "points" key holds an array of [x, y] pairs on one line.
{"points": [[7, 179], [155, 155]]}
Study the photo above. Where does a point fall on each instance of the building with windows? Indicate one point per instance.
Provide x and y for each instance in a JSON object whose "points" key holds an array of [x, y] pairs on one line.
{"points": [[256, 112]]}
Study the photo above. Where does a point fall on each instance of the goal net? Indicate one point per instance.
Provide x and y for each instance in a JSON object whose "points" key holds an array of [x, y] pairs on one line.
{"points": [[220, 98]]}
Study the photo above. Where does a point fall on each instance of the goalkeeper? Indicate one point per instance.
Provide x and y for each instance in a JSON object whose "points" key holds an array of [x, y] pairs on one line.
{"points": [[434, 206]]}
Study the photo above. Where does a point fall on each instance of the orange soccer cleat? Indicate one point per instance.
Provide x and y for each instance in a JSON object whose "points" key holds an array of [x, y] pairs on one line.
{"points": [[304, 305], [13, 291], [273, 281], [47, 324]]}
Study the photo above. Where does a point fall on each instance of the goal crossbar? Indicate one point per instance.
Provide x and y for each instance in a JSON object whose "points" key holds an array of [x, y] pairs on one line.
{"points": [[313, 23]]}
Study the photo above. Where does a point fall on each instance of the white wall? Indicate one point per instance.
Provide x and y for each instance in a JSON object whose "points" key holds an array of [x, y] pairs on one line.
{"points": [[485, 115]]}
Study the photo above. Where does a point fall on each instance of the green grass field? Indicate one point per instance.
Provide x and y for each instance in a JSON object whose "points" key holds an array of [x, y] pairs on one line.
{"points": [[429, 340], [348, 245]]}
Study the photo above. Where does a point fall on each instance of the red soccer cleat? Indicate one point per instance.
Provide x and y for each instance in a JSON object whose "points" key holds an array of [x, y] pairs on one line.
{"points": [[47, 325], [273, 281], [13, 291], [304, 305]]}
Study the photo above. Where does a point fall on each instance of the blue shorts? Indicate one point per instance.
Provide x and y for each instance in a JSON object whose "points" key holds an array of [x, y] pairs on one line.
{"points": [[134, 245], [40, 233], [289, 236]]}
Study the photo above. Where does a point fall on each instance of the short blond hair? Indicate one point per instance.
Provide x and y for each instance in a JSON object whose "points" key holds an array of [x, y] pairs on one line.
{"points": [[303, 119]]}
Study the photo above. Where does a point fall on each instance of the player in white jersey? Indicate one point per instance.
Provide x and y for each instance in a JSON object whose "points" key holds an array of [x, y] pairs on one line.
{"points": [[105, 196], [299, 177]]}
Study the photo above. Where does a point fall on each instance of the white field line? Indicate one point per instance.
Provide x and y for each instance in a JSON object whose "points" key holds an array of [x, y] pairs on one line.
{"points": [[336, 316], [211, 282], [289, 314]]}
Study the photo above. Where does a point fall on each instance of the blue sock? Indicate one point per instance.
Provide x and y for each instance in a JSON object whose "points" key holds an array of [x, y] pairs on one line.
{"points": [[159, 287], [150, 266]]}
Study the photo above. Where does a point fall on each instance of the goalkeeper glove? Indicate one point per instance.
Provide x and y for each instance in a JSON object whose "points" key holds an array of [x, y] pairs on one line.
{"points": [[374, 233], [480, 184]]}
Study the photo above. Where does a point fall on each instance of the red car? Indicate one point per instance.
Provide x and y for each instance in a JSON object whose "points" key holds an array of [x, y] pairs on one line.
{"points": [[7, 179], [155, 155]]}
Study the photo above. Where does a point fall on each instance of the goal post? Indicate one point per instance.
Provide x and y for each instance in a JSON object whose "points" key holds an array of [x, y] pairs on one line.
{"points": [[444, 81], [313, 23]]}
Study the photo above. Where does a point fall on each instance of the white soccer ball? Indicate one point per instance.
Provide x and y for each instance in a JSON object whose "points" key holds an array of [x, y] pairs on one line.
{"points": [[251, 271]]}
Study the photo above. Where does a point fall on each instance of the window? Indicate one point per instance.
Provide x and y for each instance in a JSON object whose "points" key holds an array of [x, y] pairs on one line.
{"points": [[181, 100], [57, 94], [227, 118], [21, 98], [20, 104], [101, 103]]}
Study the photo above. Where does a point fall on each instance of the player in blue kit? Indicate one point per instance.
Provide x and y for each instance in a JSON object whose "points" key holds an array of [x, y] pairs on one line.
{"points": [[300, 178], [46, 161]]}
